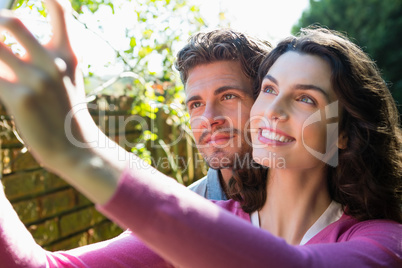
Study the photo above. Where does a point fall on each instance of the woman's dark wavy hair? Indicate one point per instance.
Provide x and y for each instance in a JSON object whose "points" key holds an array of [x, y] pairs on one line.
{"points": [[367, 180], [249, 186]]}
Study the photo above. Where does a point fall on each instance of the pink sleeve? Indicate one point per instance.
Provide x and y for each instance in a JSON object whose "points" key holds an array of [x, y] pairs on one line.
{"points": [[189, 231], [125, 250], [19, 249]]}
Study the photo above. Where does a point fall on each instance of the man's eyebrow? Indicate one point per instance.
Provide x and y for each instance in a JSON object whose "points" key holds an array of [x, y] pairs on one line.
{"points": [[193, 98], [301, 86], [220, 90]]}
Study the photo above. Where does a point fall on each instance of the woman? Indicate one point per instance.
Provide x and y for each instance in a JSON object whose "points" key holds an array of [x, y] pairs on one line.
{"points": [[366, 177], [337, 211]]}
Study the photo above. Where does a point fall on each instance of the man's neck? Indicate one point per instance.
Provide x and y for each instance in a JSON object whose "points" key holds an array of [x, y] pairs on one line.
{"points": [[224, 176]]}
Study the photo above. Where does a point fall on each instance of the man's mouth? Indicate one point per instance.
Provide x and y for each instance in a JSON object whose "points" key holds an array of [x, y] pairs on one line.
{"points": [[218, 139], [218, 136]]}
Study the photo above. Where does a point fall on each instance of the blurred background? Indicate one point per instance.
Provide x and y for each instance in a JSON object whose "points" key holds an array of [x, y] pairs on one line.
{"points": [[127, 51]]}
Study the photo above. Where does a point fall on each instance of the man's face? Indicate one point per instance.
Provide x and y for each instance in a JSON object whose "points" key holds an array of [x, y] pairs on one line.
{"points": [[219, 100]]}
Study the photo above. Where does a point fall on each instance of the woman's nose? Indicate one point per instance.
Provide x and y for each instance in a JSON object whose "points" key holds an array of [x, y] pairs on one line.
{"points": [[276, 110]]}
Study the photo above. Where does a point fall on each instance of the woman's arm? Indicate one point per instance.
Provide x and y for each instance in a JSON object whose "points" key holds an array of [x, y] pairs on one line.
{"points": [[190, 231], [18, 249]]}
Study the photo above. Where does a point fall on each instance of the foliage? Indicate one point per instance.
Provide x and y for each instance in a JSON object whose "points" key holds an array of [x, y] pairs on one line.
{"points": [[375, 25], [155, 27], [154, 30]]}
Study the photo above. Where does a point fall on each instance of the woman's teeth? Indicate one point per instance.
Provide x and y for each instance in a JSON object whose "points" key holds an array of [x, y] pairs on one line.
{"points": [[274, 136]]}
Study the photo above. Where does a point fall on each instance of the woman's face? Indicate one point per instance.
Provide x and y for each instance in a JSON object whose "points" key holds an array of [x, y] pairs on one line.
{"points": [[294, 119]]}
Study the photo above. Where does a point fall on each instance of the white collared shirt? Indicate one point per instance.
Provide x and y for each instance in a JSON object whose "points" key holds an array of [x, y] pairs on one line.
{"points": [[331, 214]]}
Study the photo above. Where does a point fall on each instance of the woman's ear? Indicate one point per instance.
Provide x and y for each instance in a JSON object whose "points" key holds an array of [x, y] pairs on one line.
{"points": [[342, 141]]}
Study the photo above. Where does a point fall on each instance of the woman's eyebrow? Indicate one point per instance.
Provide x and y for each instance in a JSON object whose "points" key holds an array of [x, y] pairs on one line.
{"points": [[312, 87], [301, 86], [271, 78]]}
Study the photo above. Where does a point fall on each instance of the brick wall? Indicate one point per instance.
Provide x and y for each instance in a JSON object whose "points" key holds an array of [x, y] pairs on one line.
{"points": [[56, 214]]}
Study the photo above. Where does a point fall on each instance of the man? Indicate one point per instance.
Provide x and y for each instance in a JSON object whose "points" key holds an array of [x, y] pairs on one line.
{"points": [[218, 70]]}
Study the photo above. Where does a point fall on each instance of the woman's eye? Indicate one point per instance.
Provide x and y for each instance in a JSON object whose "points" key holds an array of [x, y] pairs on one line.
{"points": [[229, 96], [306, 99], [269, 90]]}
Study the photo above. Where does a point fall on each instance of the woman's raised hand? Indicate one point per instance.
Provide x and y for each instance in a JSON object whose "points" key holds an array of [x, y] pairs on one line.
{"points": [[44, 87], [45, 95]]}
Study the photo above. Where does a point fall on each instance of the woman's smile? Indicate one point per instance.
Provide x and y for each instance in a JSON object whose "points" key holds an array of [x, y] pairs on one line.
{"points": [[272, 137]]}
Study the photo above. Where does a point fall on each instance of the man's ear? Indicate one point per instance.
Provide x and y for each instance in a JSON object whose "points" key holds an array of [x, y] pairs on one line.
{"points": [[342, 141]]}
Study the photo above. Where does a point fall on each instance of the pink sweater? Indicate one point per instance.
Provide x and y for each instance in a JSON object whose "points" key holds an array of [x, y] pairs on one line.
{"points": [[189, 231]]}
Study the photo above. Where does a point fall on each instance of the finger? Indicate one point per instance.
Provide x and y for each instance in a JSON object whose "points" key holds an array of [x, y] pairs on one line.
{"points": [[22, 73], [8, 91], [37, 54], [60, 41], [15, 67], [57, 12]]}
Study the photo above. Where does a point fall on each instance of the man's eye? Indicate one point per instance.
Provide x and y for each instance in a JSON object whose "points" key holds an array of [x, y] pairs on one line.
{"points": [[269, 90], [195, 105], [229, 96]]}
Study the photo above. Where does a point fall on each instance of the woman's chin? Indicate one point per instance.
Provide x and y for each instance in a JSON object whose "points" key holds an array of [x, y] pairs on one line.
{"points": [[268, 159]]}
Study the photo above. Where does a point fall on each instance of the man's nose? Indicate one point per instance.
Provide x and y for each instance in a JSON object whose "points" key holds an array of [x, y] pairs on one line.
{"points": [[213, 116]]}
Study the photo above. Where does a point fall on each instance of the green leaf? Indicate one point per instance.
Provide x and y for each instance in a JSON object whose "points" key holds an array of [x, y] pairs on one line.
{"points": [[194, 9], [147, 33], [133, 42], [144, 51], [111, 6]]}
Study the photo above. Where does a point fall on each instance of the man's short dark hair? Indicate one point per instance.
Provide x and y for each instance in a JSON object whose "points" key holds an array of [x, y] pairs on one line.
{"points": [[223, 45]]}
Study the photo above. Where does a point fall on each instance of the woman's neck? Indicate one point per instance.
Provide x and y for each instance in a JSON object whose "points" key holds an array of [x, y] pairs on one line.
{"points": [[295, 200]]}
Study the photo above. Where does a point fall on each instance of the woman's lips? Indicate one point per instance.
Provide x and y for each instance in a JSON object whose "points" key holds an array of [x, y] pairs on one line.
{"points": [[274, 137]]}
